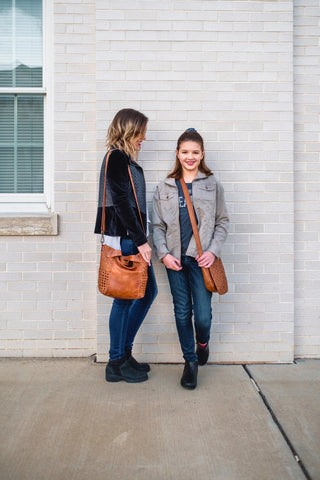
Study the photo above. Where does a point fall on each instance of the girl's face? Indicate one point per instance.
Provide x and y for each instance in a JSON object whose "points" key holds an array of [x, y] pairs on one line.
{"points": [[137, 141], [190, 156]]}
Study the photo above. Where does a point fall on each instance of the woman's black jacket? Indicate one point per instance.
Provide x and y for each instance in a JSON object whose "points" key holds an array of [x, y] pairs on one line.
{"points": [[122, 217]]}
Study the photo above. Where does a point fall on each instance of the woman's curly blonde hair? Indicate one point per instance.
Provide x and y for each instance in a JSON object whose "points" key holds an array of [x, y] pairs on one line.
{"points": [[126, 125]]}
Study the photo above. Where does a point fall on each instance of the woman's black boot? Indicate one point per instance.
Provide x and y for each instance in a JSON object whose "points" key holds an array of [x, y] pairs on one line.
{"points": [[118, 370], [142, 367], [189, 376]]}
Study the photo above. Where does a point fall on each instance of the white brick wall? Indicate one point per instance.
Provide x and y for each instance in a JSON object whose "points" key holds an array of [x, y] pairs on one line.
{"points": [[48, 289], [225, 68], [75, 155], [307, 178]]}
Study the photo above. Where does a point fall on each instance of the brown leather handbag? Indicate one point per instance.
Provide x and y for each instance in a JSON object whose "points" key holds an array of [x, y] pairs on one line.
{"points": [[121, 276], [214, 277]]}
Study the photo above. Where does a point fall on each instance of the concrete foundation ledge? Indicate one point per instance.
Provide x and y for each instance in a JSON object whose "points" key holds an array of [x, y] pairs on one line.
{"points": [[40, 224]]}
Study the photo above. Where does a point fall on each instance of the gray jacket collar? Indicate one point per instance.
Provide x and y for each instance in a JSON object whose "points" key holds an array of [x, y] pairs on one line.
{"points": [[172, 181]]}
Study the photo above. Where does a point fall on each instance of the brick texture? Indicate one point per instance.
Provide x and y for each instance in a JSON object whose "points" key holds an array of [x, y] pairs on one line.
{"points": [[225, 68], [307, 178], [48, 289]]}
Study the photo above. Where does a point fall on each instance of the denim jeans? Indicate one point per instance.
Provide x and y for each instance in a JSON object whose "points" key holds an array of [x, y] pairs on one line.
{"points": [[190, 295], [126, 316]]}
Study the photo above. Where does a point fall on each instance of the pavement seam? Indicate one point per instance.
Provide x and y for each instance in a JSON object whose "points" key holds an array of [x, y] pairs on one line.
{"points": [[278, 424]]}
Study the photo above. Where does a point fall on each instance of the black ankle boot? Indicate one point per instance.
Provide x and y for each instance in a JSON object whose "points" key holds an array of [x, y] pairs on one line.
{"points": [[202, 354], [118, 370], [113, 373], [141, 367], [189, 376]]}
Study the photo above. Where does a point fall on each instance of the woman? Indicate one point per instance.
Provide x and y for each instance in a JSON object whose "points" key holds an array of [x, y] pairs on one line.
{"points": [[176, 248], [124, 231]]}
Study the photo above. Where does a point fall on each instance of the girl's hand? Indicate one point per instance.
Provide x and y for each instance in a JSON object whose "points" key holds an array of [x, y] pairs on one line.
{"points": [[146, 252], [206, 259], [171, 262]]}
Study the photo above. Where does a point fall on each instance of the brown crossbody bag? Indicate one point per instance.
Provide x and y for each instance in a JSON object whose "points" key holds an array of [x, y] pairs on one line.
{"points": [[214, 277], [120, 276]]}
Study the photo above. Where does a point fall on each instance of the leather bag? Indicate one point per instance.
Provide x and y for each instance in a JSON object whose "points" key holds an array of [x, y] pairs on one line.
{"points": [[214, 277], [120, 276]]}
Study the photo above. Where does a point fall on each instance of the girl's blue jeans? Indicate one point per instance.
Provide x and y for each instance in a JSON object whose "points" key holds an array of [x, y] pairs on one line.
{"points": [[126, 316], [190, 296]]}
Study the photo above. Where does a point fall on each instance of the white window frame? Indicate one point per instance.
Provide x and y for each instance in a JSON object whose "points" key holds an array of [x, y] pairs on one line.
{"points": [[36, 203]]}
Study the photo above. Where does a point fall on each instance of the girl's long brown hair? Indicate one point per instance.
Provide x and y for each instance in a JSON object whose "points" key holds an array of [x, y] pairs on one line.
{"points": [[126, 125], [194, 136]]}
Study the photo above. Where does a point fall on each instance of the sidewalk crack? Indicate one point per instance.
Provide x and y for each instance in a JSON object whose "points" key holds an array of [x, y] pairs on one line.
{"points": [[278, 424]]}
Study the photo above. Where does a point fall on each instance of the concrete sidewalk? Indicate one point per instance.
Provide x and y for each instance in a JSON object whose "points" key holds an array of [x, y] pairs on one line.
{"points": [[60, 420]]}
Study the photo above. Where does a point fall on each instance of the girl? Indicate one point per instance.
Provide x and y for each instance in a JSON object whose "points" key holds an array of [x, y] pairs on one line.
{"points": [[176, 248]]}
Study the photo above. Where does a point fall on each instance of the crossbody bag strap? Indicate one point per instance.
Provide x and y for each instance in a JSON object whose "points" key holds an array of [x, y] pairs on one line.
{"points": [[192, 216], [103, 220]]}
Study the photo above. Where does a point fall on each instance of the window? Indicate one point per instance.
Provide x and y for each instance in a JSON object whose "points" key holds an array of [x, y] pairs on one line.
{"points": [[21, 144], [23, 103]]}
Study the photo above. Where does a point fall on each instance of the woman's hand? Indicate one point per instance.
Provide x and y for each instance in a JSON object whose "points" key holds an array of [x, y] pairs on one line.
{"points": [[171, 262], [146, 252], [206, 259]]}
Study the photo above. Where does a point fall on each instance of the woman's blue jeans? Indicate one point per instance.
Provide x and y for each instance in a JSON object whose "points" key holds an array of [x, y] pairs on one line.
{"points": [[190, 295], [126, 316]]}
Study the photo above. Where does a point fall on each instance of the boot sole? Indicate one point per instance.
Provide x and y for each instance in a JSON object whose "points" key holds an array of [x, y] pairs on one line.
{"points": [[117, 378], [189, 387]]}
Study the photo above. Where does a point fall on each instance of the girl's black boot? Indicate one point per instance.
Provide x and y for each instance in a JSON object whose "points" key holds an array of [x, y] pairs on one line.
{"points": [[189, 376]]}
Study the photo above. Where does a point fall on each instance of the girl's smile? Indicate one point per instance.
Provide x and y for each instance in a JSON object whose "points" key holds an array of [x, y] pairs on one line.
{"points": [[190, 156]]}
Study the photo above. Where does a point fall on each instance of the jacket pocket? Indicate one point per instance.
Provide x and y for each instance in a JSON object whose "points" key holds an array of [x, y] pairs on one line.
{"points": [[205, 203], [168, 205], [207, 192]]}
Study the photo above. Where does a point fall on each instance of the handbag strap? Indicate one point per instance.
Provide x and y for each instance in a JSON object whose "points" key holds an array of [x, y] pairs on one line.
{"points": [[135, 196], [103, 220], [192, 216]]}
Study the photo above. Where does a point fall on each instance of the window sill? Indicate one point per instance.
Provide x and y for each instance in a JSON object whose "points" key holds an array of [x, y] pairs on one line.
{"points": [[18, 224]]}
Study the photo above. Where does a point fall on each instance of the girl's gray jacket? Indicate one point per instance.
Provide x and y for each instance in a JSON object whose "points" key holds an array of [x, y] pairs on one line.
{"points": [[211, 212]]}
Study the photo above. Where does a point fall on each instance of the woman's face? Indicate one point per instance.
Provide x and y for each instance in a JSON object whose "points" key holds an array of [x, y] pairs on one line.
{"points": [[190, 156], [137, 141]]}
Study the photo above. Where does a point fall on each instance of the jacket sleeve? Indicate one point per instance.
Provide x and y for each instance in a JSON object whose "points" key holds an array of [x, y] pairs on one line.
{"points": [[121, 191], [221, 223], [159, 228]]}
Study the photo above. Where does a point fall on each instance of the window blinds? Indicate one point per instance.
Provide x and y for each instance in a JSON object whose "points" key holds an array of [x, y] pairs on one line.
{"points": [[21, 115]]}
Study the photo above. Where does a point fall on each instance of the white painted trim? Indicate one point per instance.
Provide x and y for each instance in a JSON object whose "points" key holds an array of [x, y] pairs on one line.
{"points": [[22, 197], [25, 90], [10, 208], [41, 203], [48, 83]]}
